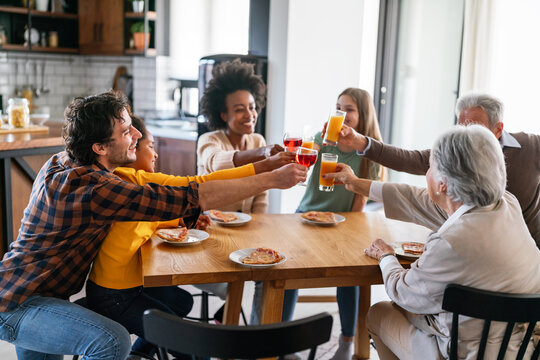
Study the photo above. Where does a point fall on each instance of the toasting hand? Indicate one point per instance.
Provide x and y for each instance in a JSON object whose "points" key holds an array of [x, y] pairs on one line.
{"points": [[344, 175], [349, 137], [289, 175]]}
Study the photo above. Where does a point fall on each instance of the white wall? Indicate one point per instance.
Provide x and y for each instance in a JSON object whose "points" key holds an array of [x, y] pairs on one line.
{"points": [[205, 27], [315, 51]]}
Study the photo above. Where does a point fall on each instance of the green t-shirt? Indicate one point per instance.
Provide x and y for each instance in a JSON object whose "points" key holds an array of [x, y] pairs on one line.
{"points": [[339, 200]]}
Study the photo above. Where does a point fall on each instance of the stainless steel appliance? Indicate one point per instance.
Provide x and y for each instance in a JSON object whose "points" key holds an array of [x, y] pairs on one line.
{"points": [[206, 65]]}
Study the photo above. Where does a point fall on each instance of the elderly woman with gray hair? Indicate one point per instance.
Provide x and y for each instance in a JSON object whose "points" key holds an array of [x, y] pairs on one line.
{"points": [[479, 239]]}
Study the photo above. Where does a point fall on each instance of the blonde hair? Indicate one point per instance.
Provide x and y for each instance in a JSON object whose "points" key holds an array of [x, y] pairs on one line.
{"points": [[368, 126]]}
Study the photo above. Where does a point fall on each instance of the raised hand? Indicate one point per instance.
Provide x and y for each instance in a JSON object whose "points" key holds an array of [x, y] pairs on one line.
{"points": [[289, 175], [344, 175]]}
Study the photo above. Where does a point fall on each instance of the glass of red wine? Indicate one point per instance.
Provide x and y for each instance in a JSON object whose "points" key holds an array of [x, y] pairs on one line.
{"points": [[306, 157], [292, 140]]}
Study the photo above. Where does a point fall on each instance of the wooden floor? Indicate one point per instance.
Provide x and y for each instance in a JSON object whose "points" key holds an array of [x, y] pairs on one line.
{"points": [[324, 352]]}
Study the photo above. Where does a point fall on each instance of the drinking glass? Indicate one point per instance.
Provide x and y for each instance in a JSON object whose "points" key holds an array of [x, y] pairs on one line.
{"points": [[328, 165], [335, 122], [306, 157], [308, 142], [292, 140]]}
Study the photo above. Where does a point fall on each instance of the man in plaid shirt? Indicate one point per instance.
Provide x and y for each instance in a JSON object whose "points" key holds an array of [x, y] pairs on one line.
{"points": [[75, 199]]}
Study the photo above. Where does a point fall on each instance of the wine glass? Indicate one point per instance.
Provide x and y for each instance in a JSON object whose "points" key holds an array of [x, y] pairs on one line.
{"points": [[306, 157], [292, 140]]}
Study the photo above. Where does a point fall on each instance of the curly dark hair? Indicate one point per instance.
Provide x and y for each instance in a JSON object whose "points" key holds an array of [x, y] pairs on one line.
{"points": [[90, 120], [138, 123], [227, 78]]}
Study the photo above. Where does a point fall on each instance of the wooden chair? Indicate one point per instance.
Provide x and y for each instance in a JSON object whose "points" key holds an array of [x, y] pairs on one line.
{"points": [[232, 341], [492, 306]]}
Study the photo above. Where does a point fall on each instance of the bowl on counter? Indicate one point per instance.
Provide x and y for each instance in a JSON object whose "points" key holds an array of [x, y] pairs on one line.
{"points": [[39, 119]]}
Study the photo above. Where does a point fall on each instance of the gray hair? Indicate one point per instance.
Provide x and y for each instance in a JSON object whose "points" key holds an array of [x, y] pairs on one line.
{"points": [[469, 159], [493, 107]]}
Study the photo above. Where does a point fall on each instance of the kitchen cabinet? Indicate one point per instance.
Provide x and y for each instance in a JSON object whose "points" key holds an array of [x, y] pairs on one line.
{"points": [[147, 17], [16, 19], [101, 27], [176, 156]]}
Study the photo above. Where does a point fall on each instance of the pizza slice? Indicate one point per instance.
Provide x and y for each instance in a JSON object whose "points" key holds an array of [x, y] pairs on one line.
{"points": [[413, 248], [325, 217], [263, 256], [222, 216], [178, 234]]}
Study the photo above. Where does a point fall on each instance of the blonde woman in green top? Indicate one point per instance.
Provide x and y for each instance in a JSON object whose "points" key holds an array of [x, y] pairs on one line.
{"points": [[360, 116]]}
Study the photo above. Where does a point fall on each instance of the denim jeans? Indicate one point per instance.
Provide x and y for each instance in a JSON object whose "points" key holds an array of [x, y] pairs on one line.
{"points": [[127, 306], [289, 302], [347, 299], [48, 328]]}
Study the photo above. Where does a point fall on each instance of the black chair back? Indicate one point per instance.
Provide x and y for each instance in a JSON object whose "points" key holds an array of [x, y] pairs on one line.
{"points": [[492, 306], [235, 342]]}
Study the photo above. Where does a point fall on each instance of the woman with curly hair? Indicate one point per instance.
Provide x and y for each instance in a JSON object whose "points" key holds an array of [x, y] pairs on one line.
{"points": [[231, 104]]}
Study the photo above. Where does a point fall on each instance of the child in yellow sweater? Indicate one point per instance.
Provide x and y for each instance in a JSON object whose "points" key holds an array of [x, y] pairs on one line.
{"points": [[114, 288]]}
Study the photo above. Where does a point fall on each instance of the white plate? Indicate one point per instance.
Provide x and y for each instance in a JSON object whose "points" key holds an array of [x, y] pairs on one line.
{"points": [[238, 255], [242, 219], [339, 219], [401, 253], [194, 237]]}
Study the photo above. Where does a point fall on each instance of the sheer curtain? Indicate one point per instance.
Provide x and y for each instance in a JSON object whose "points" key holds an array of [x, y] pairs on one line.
{"points": [[501, 56]]}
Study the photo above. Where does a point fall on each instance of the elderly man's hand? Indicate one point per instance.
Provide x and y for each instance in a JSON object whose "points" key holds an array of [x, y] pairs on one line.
{"points": [[349, 137], [288, 176], [379, 248]]}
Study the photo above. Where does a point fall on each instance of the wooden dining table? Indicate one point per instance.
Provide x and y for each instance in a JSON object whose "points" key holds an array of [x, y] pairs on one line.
{"points": [[316, 256]]}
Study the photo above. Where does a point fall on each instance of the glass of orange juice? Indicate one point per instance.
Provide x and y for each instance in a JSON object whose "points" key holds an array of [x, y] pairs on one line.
{"points": [[335, 122], [328, 165], [308, 142]]}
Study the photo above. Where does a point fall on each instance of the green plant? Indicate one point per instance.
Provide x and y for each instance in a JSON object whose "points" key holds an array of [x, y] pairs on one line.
{"points": [[138, 27]]}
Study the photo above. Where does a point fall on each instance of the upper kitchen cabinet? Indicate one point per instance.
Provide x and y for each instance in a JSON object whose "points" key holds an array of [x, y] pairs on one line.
{"points": [[140, 27], [101, 27], [38, 26]]}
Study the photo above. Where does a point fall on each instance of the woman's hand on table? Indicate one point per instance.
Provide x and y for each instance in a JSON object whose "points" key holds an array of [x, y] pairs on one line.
{"points": [[378, 249]]}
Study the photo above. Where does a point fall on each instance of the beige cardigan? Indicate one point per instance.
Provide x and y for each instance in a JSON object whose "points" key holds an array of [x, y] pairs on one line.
{"points": [[488, 248], [215, 152]]}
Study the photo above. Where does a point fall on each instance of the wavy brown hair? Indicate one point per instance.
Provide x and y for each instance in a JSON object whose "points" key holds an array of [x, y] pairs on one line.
{"points": [[90, 120], [230, 77], [368, 126]]}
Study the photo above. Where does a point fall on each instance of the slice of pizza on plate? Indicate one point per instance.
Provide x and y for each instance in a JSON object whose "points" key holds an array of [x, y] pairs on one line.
{"points": [[262, 256], [222, 215], [320, 216], [413, 248], [178, 234]]}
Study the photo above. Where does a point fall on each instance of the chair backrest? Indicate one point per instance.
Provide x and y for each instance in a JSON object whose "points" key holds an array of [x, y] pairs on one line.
{"points": [[233, 341], [492, 306]]}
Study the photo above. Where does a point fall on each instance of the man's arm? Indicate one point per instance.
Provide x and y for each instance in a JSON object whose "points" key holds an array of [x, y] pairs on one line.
{"points": [[410, 161], [216, 194]]}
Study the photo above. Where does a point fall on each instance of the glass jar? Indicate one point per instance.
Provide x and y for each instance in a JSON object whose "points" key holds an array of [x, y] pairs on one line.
{"points": [[18, 113], [53, 39]]}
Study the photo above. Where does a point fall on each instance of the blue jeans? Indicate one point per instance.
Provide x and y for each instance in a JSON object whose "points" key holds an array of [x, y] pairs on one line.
{"points": [[127, 306], [347, 299], [48, 328], [289, 302]]}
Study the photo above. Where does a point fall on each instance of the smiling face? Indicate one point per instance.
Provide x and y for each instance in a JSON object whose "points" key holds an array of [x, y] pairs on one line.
{"points": [[346, 103], [120, 150], [241, 114], [146, 154], [478, 116]]}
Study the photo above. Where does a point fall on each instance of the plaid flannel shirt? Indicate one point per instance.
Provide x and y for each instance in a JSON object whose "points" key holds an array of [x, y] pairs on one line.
{"points": [[70, 212]]}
